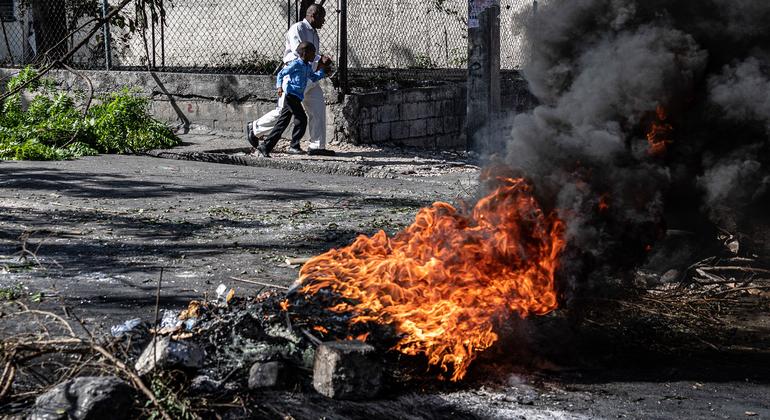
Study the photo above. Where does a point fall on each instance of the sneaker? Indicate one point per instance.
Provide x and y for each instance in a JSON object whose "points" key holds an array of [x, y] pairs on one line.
{"points": [[295, 151], [250, 137], [320, 152], [261, 151]]}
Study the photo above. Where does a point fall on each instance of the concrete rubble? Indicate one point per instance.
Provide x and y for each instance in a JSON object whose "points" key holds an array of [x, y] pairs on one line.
{"points": [[169, 353], [267, 375], [347, 370], [85, 398]]}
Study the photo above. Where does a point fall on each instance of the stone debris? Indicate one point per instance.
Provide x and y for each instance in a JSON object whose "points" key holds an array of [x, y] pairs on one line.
{"points": [[125, 328], [203, 384], [522, 394], [85, 398], [347, 370], [169, 353], [267, 375]]}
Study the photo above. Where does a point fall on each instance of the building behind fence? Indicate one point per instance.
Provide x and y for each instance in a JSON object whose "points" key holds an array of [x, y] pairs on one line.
{"points": [[247, 37]]}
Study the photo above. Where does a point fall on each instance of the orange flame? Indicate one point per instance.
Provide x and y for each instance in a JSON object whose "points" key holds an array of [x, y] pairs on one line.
{"points": [[659, 134], [604, 203], [284, 304], [445, 280], [360, 337], [321, 329]]}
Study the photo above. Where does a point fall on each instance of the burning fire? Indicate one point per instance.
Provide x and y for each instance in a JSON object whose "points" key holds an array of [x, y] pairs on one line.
{"points": [[445, 281], [604, 203], [659, 134]]}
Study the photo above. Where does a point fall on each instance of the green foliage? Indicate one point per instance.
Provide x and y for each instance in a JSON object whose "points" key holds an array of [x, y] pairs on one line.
{"points": [[53, 128], [166, 390], [122, 124], [11, 292]]}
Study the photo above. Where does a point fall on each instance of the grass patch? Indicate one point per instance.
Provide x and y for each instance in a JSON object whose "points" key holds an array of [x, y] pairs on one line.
{"points": [[11, 292], [52, 127]]}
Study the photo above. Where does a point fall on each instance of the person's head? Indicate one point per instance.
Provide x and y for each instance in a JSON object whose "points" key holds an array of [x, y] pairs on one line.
{"points": [[316, 16], [306, 51]]}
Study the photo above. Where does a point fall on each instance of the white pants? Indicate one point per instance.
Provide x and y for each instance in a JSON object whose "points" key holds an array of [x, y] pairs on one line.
{"points": [[315, 107]]}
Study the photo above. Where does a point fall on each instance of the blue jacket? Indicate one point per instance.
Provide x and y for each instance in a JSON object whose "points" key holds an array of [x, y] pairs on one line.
{"points": [[299, 72]]}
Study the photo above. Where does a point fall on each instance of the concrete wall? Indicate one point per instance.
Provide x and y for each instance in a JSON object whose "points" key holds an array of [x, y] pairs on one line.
{"points": [[427, 117]]}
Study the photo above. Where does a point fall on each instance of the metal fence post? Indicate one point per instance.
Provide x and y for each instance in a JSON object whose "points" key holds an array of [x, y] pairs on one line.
{"points": [[107, 36], [162, 36], [343, 59], [288, 14]]}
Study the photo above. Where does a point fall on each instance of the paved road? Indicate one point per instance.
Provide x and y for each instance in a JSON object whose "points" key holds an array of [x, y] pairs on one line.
{"points": [[103, 227]]}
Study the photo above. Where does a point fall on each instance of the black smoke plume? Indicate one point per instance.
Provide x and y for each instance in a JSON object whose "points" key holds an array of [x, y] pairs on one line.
{"points": [[604, 73]]}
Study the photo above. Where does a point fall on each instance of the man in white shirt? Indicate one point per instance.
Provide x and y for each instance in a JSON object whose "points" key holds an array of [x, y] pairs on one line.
{"points": [[315, 106]]}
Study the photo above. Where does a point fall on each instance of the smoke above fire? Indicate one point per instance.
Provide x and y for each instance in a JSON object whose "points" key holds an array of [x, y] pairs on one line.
{"points": [[646, 109]]}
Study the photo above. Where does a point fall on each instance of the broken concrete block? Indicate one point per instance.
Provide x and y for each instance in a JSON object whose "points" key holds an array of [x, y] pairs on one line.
{"points": [[87, 397], [347, 370], [169, 353], [266, 375], [202, 385]]}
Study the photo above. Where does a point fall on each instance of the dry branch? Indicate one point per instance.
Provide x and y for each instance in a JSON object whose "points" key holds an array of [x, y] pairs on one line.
{"points": [[747, 270], [298, 261], [259, 283], [19, 351]]}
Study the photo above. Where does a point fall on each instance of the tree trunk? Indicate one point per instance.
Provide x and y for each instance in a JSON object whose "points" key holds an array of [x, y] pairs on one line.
{"points": [[50, 24]]}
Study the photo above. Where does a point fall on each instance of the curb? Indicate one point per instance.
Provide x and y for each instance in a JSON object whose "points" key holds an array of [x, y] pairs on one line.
{"points": [[225, 156]]}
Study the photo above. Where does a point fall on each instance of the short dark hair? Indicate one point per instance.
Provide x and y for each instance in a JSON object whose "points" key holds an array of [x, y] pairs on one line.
{"points": [[315, 9], [305, 46]]}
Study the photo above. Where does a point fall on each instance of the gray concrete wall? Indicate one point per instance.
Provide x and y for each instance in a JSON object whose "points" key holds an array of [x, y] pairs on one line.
{"points": [[427, 117]]}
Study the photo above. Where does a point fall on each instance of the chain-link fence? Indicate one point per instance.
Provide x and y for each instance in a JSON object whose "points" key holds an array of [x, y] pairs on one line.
{"points": [[426, 33], [247, 37]]}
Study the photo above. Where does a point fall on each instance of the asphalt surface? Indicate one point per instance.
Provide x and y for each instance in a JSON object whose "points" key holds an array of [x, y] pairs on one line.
{"points": [[97, 232], [102, 228]]}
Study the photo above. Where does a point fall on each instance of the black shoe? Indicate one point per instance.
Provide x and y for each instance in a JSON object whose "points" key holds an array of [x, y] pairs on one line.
{"points": [[261, 151], [320, 152], [295, 151], [250, 137]]}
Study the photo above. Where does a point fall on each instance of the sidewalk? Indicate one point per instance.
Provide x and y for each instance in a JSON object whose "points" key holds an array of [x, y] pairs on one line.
{"points": [[365, 161]]}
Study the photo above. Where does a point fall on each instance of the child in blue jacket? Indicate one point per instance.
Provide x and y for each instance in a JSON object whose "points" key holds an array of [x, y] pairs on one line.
{"points": [[299, 71]]}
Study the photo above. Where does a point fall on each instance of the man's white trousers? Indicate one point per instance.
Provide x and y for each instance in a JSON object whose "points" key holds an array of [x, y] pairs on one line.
{"points": [[315, 107]]}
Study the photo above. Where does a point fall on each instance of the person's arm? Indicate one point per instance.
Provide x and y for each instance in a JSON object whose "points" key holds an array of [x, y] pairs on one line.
{"points": [[279, 78], [286, 71], [316, 76], [294, 38]]}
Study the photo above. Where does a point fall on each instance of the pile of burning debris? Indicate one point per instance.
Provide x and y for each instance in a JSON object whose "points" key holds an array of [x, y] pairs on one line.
{"points": [[263, 342], [212, 351]]}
